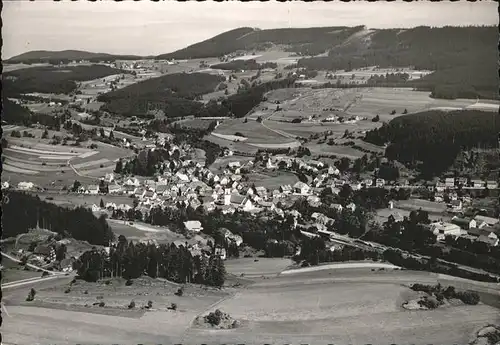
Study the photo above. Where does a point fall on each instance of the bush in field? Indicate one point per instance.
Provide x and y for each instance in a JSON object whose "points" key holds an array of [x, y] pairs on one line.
{"points": [[150, 304], [131, 305], [128, 282], [429, 302], [468, 297], [179, 292], [31, 295], [173, 306], [214, 318]]}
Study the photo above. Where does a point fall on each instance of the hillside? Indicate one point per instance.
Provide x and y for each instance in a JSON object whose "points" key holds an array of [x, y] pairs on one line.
{"points": [[40, 56], [432, 140], [464, 58], [305, 41], [175, 94], [51, 79]]}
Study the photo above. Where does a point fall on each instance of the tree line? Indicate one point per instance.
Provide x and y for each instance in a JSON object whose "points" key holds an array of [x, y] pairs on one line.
{"points": [[432, 140], [51, 79], [24, 211], [131, 260]]}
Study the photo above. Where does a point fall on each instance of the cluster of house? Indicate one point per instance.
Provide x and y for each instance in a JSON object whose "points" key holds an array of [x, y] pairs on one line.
{"points": [[478, 228], [464, 182]]}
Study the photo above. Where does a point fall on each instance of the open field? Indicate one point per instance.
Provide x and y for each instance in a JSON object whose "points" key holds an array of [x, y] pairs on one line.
{"points": [[222, 162], [383, 214], [36, 157], [73, 199], [139, 231], [338, 305], [232, 145], [272, 180], [12, 271], [426, 205]]}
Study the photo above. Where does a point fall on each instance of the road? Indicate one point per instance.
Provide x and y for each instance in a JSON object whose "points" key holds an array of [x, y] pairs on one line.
{"points": [[31, 265]]}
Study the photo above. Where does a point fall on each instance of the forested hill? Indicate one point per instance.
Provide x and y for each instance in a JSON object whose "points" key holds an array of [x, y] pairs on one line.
{"points": [[306, 41], [55, 57], [464, 58], [435, 138], [175, 94]]}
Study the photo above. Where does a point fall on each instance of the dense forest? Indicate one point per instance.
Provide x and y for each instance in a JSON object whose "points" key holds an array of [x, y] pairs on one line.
{"points": [[464, 58], [432, 140], [241, 103], [304, 41], [51, 79], [243, 65], [23, 211], [13, 113], [175, 94], [131, 260], [65, 56]]}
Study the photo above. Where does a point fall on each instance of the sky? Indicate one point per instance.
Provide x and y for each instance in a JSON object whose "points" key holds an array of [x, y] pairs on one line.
{"points": [[153, 28]]}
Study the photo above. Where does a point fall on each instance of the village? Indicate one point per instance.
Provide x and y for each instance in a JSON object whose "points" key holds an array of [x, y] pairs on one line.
{"points": [[186, 183]]}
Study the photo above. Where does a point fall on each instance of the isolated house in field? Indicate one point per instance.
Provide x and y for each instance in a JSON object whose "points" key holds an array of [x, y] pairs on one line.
{"points": [[193, 225], [301, 188], [380, 182]]}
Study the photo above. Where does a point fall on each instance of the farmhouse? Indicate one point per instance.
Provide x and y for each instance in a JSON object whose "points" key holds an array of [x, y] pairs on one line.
{"points": [[193, 225], [380, 182], [25, 185], [301, 188], [92, 189], [455, 205], [492, 184], [114, 189], [464, 223], [441, 229], [483, 221], [477, 183]]}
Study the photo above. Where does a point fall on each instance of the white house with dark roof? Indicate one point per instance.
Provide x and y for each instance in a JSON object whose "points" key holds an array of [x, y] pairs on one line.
{"points": [[301, 188]]}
